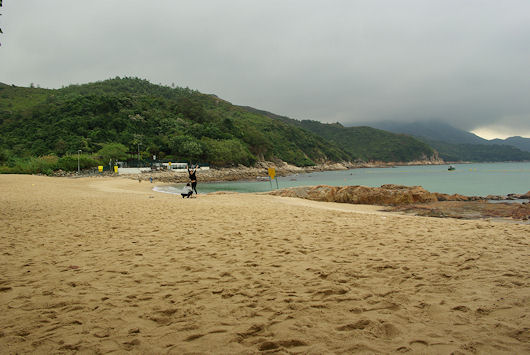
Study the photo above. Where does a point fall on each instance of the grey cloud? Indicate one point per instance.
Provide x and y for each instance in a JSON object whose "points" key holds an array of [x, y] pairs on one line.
{"points": [[348, 61]]}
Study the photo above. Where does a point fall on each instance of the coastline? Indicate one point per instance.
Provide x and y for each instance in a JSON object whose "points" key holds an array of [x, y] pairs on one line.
{"points": [[260, 171], [244, 173], [107, 265]]}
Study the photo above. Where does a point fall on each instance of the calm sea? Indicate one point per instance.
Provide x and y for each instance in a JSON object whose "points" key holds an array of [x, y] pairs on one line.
{"points": [[467, 179]]}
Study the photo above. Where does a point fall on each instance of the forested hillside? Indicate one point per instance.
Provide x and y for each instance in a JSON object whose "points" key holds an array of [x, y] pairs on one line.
{"points": [[172, 123], [517, 142], [454, 144], [123, 118], [479, 152], [364, 143]]}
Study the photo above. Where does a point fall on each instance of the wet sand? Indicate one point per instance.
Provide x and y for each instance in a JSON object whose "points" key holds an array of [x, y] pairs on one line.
{"points": [[99, 265]]}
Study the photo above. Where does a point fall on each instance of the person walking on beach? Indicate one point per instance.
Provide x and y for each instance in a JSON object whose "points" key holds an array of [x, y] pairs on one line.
{"points": [[193, 178]]}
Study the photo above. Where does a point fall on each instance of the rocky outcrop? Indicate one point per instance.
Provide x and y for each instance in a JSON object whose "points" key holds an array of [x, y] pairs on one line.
{"points": [[458, 197], [386, 195], [414, 199], [518, 196], [467, 210]]}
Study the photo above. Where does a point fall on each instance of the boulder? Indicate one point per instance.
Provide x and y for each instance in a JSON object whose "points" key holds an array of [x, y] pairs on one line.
{"points": [[522, 212], [386, 195]]}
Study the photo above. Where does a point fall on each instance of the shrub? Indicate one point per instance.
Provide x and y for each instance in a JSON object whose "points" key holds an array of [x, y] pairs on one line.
{"points": [[31, 165], [69, 163]]}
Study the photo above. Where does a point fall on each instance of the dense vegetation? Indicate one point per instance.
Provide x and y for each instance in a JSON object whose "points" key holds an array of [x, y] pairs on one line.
{"points": [[176, 124], [479, 152], [363, 143], [454, 144], [517, 142], [130, 118], [43, 130]]}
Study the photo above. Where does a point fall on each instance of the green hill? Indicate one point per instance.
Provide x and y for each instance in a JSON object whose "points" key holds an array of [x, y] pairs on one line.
{"points": [[454, 144], [123, 118], [172, 123], [479, 152], [517, 142], [363, 143], [430, 131]]}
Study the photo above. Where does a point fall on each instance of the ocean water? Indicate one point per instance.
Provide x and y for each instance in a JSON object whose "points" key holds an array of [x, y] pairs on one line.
{"points": [[467, 179]]}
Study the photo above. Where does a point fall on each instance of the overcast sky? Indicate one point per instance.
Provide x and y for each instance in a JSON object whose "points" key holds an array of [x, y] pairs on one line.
{"points": [[462, 62]]}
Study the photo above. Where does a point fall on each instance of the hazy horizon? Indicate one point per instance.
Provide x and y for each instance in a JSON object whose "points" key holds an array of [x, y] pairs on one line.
{"points": [[339, 61]]}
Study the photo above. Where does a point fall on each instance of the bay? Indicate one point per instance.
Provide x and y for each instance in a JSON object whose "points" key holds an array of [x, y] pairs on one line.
{"points": [[468, 179]]}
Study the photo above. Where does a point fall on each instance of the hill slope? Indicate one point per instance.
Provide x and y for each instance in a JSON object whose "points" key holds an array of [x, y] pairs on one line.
{"points": [[364, 143], [517, 142], [454, 144], [181, 125], [175, 123], [431, 131]]}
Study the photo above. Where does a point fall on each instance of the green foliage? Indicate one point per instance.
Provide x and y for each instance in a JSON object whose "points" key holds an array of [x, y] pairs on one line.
{"points": [[46, 164], [362, 143], [365, 143], [69, 163], [112, 151], [31, 165], [167, 122], [114, 118], [479, 152], [226, 152], [4, 156], [186, 148]]}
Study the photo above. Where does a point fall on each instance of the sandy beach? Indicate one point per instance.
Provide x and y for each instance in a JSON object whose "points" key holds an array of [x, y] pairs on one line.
{"points": [[103, 265]]}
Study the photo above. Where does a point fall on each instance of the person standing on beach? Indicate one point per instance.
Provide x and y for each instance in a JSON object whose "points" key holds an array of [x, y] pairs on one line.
{"points": [[193, 178]]}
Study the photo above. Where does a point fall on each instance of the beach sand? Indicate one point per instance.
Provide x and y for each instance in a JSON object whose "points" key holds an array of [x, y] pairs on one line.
{"points": [[100, 265]]}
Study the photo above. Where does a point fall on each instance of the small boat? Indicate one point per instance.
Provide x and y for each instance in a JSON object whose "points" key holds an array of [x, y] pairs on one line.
{"points": [[451, 167]]}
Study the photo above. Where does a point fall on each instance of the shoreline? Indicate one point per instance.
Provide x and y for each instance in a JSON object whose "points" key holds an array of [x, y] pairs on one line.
{"points": [[244, 173], [258, 172]]}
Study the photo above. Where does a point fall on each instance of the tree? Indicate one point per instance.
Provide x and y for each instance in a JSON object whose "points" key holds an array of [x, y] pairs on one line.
{"points": [[113, 151], [4, 156], [60, 146], [226, 152], [186, 147]]}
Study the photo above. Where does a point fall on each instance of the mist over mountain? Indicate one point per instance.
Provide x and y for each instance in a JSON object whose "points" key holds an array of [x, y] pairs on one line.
{"points": [[430, 130], [455, 144], [517, 141]]}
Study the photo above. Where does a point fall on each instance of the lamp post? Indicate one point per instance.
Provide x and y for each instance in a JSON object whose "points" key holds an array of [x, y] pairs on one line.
{"points": [[139, 144], [78, 166]]}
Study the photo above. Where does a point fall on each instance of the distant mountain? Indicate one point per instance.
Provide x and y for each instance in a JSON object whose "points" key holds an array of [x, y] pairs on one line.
{"points": [[517, 142], [430, 130], [454, 144], [479, 152], [362, 143]]}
